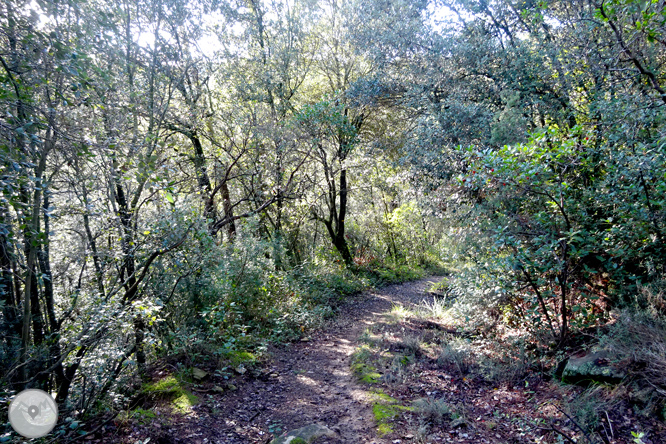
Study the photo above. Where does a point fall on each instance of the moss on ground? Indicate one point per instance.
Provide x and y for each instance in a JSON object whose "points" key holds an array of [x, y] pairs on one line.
{"points": [[143, 416], [385, 414], [170, 388], [237, 358], [385, 410], [362, 366], [185, 401], [164, 387], [378, 395], [366, 373]]}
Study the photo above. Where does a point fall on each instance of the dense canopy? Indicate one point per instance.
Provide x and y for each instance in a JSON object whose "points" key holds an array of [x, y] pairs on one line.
{"points": [[176, 173]]}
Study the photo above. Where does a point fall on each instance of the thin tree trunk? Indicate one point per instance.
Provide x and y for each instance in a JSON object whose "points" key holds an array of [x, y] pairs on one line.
{"points": [[228, 210], [7, 293], [339, 240], [45, 268], [563, 278], [99, 275], [30, 295]]}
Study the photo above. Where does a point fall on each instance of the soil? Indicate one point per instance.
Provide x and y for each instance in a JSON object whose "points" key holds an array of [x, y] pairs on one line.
{"points": [[311, 381]]}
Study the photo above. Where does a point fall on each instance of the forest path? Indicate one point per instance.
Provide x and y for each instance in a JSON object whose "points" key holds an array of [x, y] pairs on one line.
{"points": [[309, 381], [496, 400]]}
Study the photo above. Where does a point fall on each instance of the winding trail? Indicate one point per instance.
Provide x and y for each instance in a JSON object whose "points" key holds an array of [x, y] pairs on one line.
{"points": [[310, 382]]}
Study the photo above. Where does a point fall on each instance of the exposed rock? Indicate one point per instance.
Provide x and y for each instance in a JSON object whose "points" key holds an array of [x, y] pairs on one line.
{"points": [[593, 367], [307, 434], [199, 374]]}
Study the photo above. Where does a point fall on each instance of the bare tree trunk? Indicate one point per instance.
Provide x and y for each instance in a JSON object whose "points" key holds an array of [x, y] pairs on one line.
{"points": [[203, 180], [99, 274], [339, 239], [7, 294], [563, 278], [31, 309], [53, 340], [228, 210]]}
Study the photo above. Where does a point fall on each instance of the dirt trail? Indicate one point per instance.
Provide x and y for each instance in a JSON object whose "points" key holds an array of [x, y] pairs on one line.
{"points": [[309, 382]]}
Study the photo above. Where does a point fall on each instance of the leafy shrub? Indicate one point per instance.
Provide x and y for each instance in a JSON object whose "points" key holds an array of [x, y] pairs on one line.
{"points": [[557, 230]]}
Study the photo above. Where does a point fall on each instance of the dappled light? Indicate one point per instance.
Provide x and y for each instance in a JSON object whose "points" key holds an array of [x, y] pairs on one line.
{"points": [[333, 221]]}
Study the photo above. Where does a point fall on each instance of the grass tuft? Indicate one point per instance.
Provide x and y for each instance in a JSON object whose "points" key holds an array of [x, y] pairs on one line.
{"points": [[435, 410]]}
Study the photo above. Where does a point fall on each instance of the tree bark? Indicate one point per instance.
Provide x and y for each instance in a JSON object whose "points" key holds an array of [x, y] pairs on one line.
{"points": [[339, 239], [228, 210], [10, 325]]}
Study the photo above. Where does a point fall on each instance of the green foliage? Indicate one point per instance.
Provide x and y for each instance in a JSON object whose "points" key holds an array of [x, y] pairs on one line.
{"points": [[143, 416], [638, 437], [329, 119], [556, 222], [196, 204]]}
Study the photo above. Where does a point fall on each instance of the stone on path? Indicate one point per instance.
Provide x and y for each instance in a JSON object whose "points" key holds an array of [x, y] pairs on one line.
{"points": [[307, 434], [199, 374], [595, 367]]}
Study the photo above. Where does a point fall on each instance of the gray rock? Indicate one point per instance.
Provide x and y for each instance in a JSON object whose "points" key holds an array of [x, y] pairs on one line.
{"points": [[199, 374], [594, 367], [307, 434]]}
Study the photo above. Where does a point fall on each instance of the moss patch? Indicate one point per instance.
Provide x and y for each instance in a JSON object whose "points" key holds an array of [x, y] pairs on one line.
{"points": [[164, 387], [142, 415], [385, 414], [362, 367], [366, 373], [169, 388], [385, 410], [241, 357], [384, 429], [184, 402], [236, 358], [378, 395]]}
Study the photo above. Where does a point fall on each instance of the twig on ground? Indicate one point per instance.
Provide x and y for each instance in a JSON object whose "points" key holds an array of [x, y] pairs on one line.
{"points": [[587, 435], [610, 425], [561, 433]]}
